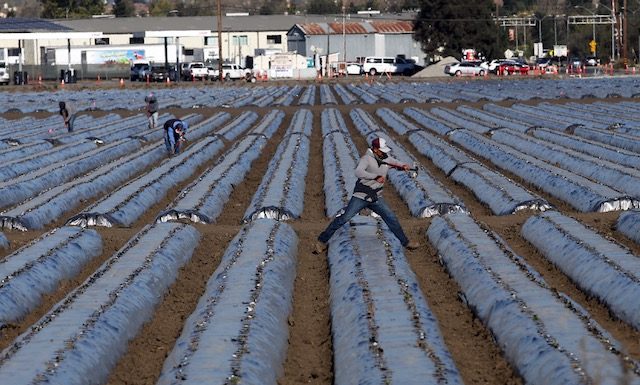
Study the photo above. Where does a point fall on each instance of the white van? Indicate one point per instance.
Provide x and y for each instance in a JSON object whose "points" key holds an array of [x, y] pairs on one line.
{"points": [[381, 64], [4, 73]]}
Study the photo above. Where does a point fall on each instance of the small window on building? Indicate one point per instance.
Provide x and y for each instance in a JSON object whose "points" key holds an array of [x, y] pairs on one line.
{"points": [[13, 51], [102, 41], [136, 40], [274, 39], [211, 40], [240, 40], [187, 51]]}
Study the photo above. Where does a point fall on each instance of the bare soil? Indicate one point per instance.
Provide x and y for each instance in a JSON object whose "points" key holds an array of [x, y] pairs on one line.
{"points": [[310, 359]]}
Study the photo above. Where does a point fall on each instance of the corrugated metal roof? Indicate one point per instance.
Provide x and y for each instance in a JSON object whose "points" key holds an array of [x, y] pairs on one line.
{"points": [[349, 28], [313, 29], [353, 28], [393, 26]]}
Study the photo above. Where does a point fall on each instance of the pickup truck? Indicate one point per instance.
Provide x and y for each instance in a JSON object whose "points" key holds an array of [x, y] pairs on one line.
{"points": [[229, 72], [139, 70], [195, 70]]}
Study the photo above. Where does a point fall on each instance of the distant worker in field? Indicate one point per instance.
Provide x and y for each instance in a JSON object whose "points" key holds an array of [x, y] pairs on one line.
{"points": [[68, 113], [174, 135], [372, 174], [152, 110]]}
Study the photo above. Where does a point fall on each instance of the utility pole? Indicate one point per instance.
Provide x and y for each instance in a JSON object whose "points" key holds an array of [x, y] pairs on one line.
{"points": [[344, 35], [625, 37], [219, 6]]}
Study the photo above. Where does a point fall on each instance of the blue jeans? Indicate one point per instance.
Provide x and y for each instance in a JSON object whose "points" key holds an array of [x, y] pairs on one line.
{"points": [[355, 205], [72, 120]]}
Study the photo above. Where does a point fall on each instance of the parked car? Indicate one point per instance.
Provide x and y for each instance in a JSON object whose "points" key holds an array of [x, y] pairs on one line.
{"points": [[464, 68], [591, 61], [393, 65], [543, 62], [158, 74], [229, 72], [494, 64], [4, 74], [195, 70], [354, 69], [139, 70], [575, 62], [513, 68]]}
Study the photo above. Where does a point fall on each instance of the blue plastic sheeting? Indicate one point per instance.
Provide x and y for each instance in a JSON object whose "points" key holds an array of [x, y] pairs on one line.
{"points": [[495, 120], [82, 337], [424, 195], [238, 125], [584, 118], [238, 331], [455, 119], [33, 183], [363, 94], [56, 132], [548, 338], [629, 224], [340, 158], [4, 242], [602, 268], [83, 126], [545, 112], [281, 193], [128, 203], [131, 132], [621, 178], [37, 268], [24, 165], [393, 93], [428, 121], [600, 150], [287, 98], [52, 204], [577, 191], [272, 98], [23, 151], [394, 120], [404, 92], [199, 129], [203, 200], [383, 330], [604, 115], [501, 194], [623, 141], [445, 156], [525, 117], [326, 96], [308, 97], [117, 128], [346, 96]]}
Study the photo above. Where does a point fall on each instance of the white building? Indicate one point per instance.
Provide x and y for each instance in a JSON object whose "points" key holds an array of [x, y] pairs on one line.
{"points": [[196, 38]]}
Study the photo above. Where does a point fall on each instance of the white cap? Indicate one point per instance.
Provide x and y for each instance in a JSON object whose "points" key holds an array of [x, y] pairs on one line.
{"points": [[381, 144]]}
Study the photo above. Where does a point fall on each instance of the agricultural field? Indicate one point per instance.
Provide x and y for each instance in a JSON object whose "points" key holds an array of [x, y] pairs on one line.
{"points": [[122, 265]]}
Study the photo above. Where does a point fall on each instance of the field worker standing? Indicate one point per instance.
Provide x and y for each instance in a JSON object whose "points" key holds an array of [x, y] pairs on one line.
{"points": [[174, 135], [68, 113], [372, 174], [152, 110]]}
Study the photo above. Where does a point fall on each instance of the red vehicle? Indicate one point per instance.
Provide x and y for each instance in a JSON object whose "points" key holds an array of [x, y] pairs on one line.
{"points": [[512, 68]]}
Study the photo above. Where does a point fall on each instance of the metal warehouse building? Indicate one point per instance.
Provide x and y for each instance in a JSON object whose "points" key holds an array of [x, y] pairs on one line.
{"points": [[77, 43]]}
